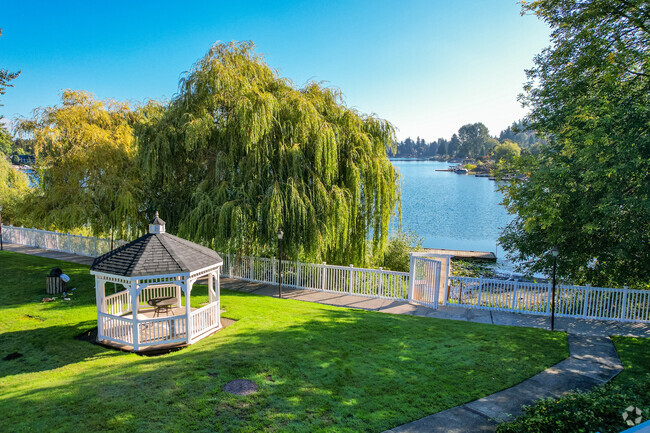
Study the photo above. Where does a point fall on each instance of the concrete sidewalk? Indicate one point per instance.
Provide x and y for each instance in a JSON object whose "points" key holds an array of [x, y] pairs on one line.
{"points": [[50, 254]]}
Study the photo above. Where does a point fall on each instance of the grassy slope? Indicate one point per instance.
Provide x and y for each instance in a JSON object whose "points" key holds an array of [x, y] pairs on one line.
{"points": [[319, 368], [635, 356]]}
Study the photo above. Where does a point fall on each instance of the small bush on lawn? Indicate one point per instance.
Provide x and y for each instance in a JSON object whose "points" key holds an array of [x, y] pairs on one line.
{"points": [[397, 257], [599, 410]]}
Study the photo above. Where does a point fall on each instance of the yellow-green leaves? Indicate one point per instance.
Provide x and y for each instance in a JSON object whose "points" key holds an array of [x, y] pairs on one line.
{"points": [[86, 162]]}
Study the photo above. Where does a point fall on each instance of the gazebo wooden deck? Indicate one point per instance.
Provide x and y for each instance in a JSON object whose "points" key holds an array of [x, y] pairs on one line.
{"points": [[157, 268]]}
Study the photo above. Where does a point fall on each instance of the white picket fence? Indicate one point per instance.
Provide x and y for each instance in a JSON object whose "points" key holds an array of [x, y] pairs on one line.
{"points": [[535, 298], [65, 242], [500, 295], [374, 283]]}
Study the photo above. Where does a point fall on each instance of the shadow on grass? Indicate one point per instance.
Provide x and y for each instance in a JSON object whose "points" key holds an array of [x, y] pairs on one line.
{"points": [[318, 369], [46, 348]]}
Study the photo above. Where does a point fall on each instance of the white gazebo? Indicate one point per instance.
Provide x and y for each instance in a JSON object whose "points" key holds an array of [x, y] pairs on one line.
{"points": [[157, 272]]}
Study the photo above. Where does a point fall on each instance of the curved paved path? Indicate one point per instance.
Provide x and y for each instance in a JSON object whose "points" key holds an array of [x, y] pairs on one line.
{"points": [[593, 359]]}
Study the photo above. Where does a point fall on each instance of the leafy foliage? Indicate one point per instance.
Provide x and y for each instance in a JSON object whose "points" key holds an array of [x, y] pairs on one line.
{"points": [[13, 187], [5, 142], [397, 257], [475, 140], [599, 410], [240, 153], [506, 150], [521, 134], [86, 166], [589, 188], [472, 268]]}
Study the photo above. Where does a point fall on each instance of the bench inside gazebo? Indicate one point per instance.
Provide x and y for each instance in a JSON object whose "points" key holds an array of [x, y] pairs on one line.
{"points": [[157, 272]]}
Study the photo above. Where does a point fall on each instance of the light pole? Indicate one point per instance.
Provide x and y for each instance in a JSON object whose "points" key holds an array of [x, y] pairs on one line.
{"points": [[554, 252], [280, 236], [1, 246]]}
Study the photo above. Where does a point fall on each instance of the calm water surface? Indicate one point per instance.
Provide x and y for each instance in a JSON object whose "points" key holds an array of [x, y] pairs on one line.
{"points": [[450, 210]]}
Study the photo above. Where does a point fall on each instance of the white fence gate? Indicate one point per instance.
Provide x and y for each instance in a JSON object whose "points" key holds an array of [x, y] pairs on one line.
{"points": [[424, 278]]}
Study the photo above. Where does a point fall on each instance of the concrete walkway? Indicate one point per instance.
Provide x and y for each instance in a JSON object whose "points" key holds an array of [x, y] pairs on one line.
{"points": [[50, 254], [593, 359]]}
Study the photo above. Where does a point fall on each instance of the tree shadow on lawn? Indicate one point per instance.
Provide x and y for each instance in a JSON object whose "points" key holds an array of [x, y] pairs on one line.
{"points": [[47, 348], [317, 369]]}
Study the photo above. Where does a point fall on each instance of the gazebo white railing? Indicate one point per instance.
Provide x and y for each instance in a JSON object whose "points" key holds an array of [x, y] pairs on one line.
{"points": [[120, 317]]}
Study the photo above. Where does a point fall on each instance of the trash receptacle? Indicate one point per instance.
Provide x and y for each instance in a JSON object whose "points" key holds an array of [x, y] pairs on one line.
{"points": [[54, 283]]}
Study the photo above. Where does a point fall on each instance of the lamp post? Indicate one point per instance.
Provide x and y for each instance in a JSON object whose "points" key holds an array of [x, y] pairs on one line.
{"points": [[1, 246], [280, 236], [554, 253]]}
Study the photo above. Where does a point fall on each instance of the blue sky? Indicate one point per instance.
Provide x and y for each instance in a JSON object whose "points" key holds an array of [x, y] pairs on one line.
{"points": [[426, 66]]}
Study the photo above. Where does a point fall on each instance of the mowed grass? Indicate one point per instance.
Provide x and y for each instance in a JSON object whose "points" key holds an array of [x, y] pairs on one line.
{"points": [[635, 357], [319, 368]]}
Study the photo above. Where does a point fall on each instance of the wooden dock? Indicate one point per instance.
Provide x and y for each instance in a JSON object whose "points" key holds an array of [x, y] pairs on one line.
{"points": [[464, 254]]}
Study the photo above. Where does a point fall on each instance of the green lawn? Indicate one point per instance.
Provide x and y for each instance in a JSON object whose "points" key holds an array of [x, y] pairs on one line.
{"points": [[319, 368], [635, 357]]}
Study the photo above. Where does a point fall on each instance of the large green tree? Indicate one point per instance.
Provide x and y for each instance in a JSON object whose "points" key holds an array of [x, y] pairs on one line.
{"points": [[5, 142], [86, 166], [507, 150], [241, 152], [474, 140], [589, 188], [14, 185]]}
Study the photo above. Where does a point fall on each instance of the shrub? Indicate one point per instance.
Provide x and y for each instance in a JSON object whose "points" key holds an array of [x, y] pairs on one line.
{"points": [[474, 269], [599, 410], [396, 257]]}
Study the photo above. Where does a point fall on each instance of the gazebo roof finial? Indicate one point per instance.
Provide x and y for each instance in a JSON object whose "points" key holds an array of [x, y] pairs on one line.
{"points": [[157, 225]]}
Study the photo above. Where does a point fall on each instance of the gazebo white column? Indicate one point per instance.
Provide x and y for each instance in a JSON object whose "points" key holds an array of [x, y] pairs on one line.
{"points": [[210, 287], [133, 290], [179, 291], [188, 308], [100, 292]]}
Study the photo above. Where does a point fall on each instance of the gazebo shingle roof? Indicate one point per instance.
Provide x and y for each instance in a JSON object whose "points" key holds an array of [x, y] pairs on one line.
{"points": [[156, 254]]}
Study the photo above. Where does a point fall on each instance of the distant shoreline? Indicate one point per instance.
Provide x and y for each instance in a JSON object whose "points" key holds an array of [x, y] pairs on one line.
{"points": [[403, 158]]}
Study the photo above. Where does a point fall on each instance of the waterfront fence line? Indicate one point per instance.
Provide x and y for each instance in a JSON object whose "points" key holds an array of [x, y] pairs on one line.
{"points": [[535, 298], [64, 242], [498, 295], [373, 283]]}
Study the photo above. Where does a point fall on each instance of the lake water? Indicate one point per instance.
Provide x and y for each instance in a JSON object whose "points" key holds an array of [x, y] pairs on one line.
{"points": [[450, 210]]}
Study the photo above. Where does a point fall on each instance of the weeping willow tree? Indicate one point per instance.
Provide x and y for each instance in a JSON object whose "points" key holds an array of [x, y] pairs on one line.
{"points": [[86, 167], [240, 153]]}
